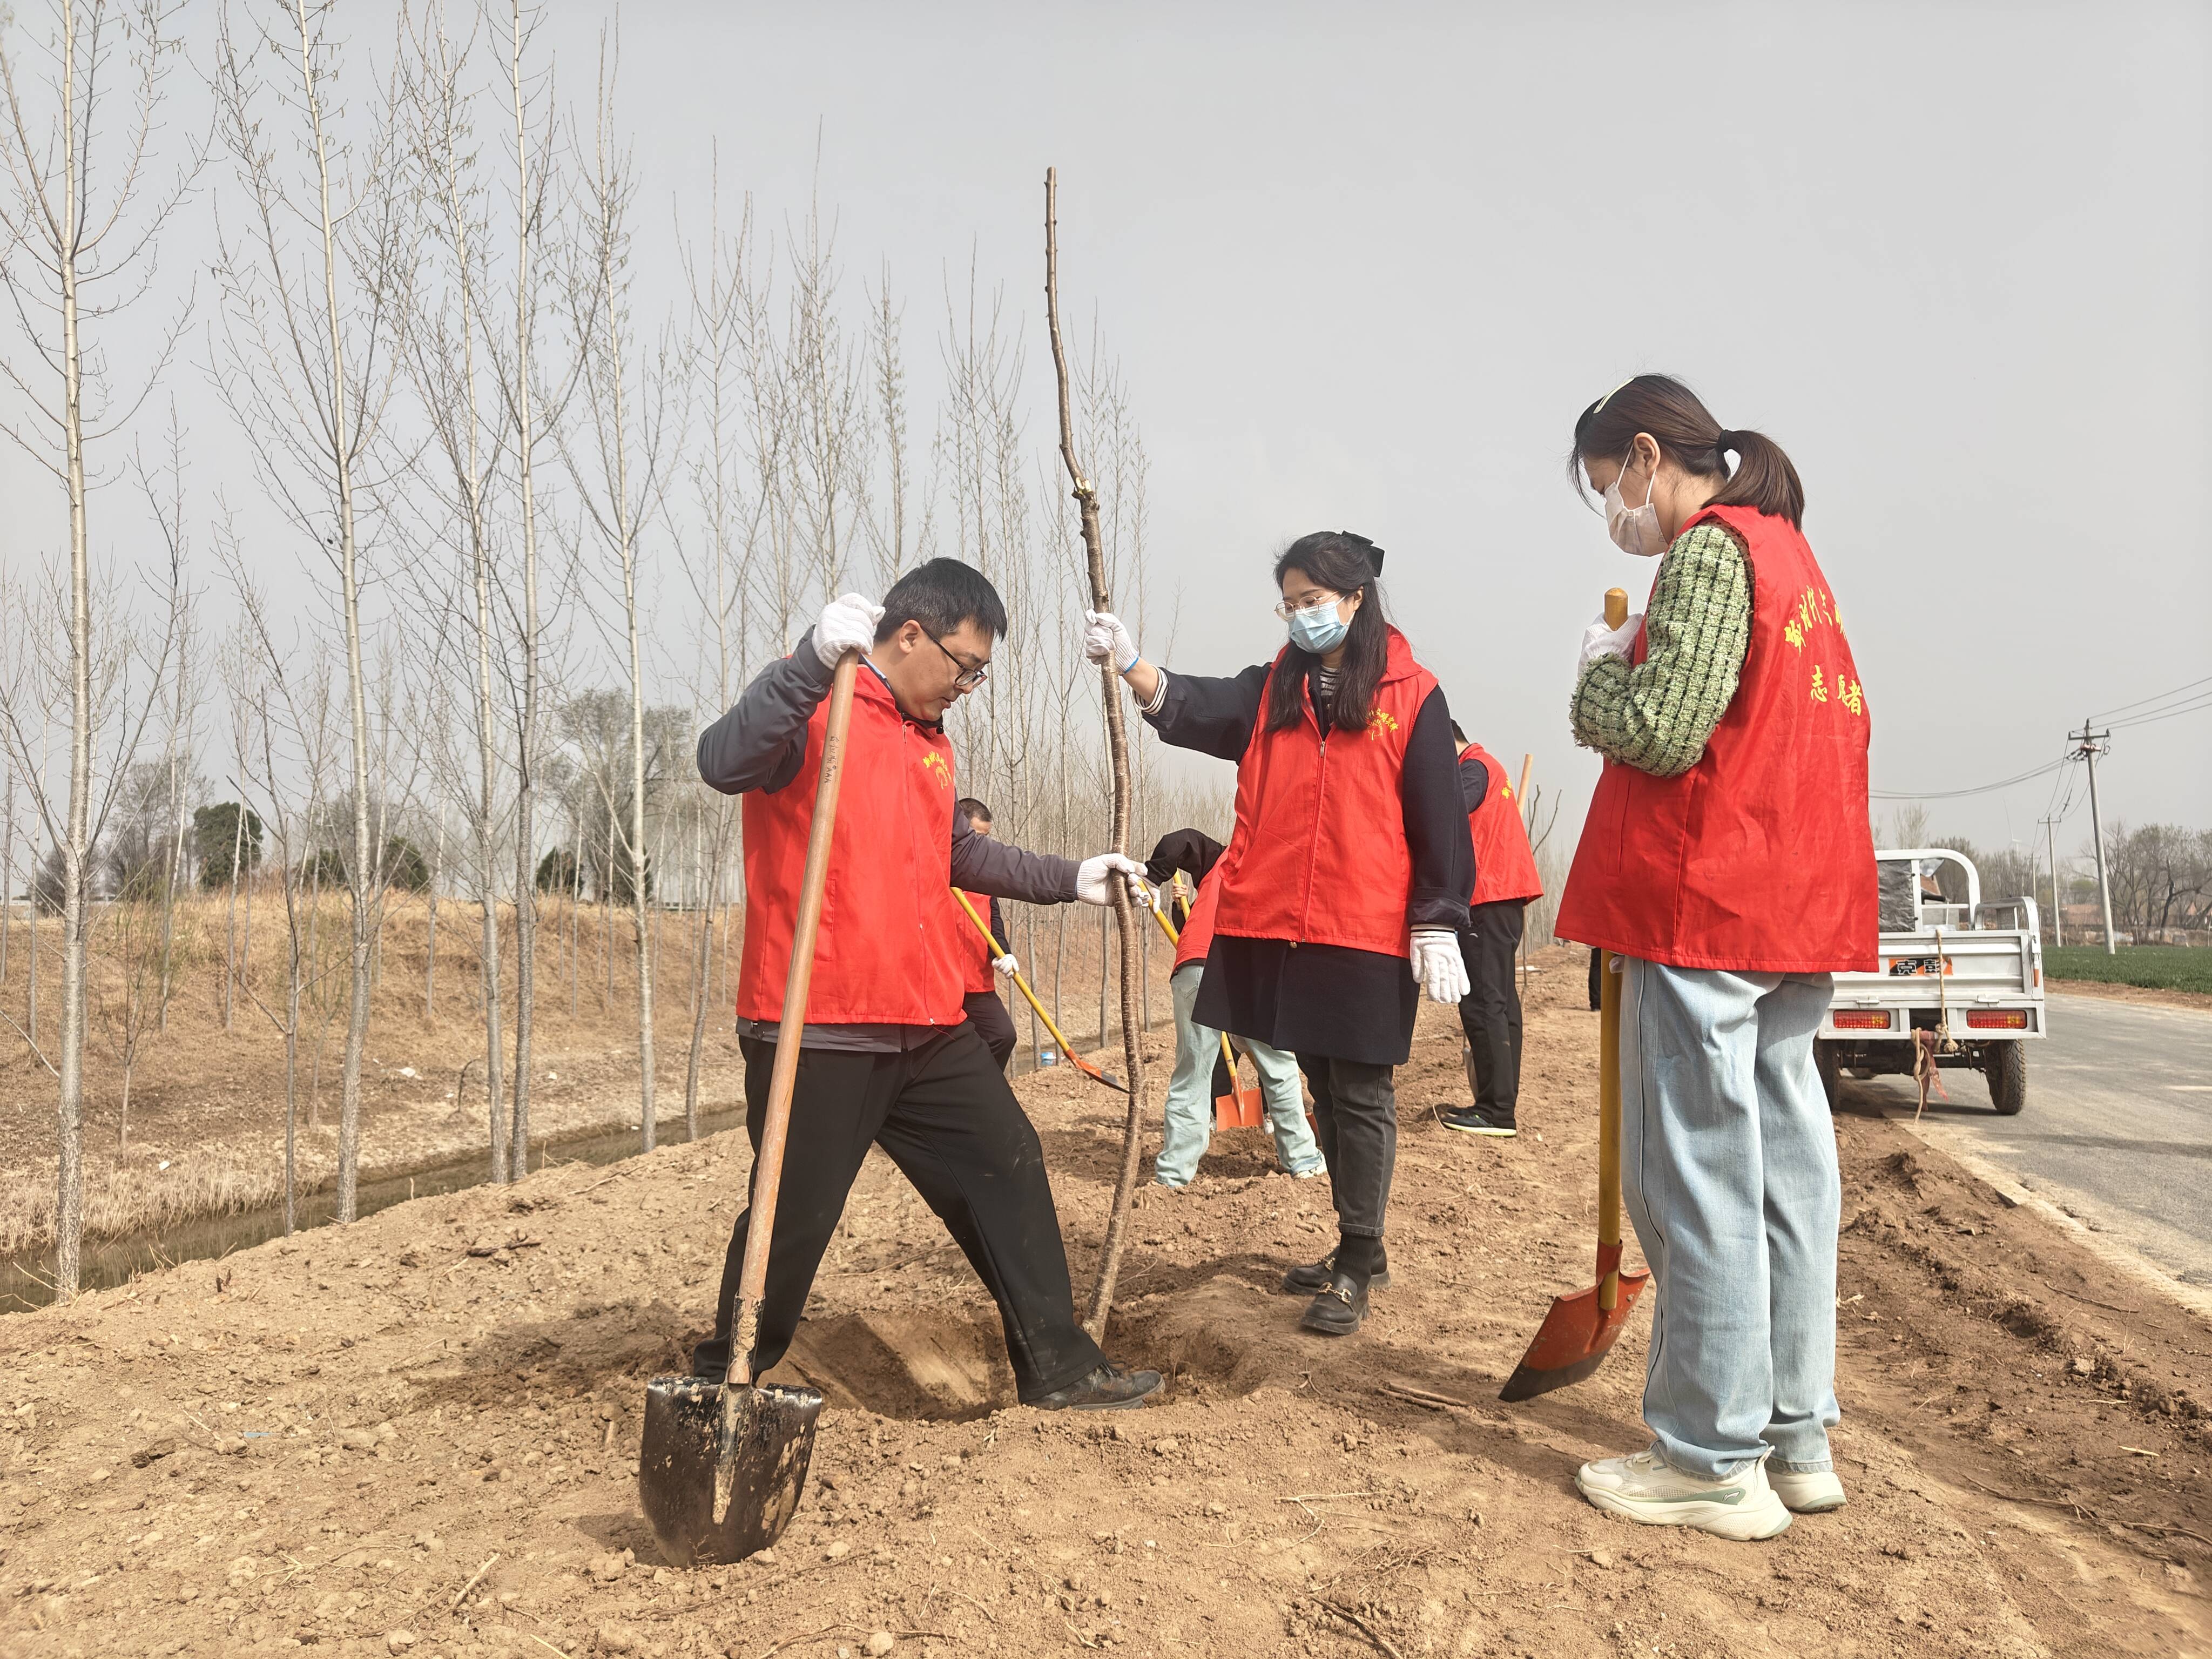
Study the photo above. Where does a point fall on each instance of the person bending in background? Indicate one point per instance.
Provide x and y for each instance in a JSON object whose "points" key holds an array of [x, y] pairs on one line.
{"points": [[886, 1056], [1505, 880], [1346, 875], [1201, 1071], [985, 1010]]}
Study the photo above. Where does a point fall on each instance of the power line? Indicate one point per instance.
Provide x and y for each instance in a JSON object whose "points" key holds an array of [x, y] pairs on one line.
{"points": [[2161, 698], [1979, 789], [2197, 707]]}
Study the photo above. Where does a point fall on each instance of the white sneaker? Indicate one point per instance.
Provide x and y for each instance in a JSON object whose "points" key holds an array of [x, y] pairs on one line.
{"points": [[1812, 1492], [1643, 1486]]}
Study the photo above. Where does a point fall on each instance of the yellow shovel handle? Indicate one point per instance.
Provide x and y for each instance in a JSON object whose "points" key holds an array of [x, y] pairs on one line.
{"points": [[1020, 984]]}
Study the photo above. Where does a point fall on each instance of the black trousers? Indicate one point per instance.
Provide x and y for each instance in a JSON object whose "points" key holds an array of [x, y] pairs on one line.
{"points": [[944, 1115], [1489, 1013], [993, 1023], [1356, 1120]]}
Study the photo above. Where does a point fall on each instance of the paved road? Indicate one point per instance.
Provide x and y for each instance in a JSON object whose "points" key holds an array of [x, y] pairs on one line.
{"points": [[2117, 1129]]}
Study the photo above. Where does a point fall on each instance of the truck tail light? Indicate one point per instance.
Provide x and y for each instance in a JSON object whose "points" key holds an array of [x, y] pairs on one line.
{"points": [[1997, 1019], [1873, 1020]]}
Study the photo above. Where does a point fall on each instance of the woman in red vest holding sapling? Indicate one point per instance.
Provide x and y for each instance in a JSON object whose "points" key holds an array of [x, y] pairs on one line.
{"points": [[1728, 861], [1349, 864]]}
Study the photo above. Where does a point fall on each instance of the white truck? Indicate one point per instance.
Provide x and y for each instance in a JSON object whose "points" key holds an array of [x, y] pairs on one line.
{"points": [[1961, 985]]}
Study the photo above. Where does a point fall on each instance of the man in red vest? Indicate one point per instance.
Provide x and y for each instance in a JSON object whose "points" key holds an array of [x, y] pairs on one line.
{"points": [[888, 1057], [1504, 881], [986, 1011]]}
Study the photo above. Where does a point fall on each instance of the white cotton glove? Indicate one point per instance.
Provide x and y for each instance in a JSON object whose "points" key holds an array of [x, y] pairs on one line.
{"points": [[847, 623], [1600, 640], [1009, 965], [1094, 879], [1437, 964], [1104, 640]]}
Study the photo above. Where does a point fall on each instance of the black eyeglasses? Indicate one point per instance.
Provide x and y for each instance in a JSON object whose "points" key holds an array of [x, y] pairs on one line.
{"points": [[969, 678]]}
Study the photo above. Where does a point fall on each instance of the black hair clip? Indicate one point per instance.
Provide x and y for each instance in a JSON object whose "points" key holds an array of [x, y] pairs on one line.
{"points": [[1374, 553]]}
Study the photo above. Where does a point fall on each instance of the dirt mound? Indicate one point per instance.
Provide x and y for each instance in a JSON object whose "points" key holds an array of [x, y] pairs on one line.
{"points": [[377, 1443]]}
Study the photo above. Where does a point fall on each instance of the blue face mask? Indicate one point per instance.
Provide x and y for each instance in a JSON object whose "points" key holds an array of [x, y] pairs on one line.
{"points": [[1318, 629]]}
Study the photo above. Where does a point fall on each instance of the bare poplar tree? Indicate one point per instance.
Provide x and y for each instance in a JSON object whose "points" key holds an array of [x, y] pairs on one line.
{"points": [[74, 258], [724, 310], [514, 371], [444, 324], [306, 371], [624, 426]]}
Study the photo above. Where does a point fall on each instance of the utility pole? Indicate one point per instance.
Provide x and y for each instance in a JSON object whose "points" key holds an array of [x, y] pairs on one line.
{"points": [[2057, 900], [2092, 746]]}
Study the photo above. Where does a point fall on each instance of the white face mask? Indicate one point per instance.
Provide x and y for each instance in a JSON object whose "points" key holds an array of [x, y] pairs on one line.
{"points": [[1634, 529]]}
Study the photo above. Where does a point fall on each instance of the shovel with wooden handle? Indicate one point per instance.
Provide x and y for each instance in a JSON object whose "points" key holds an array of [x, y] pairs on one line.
{"points": [[722, 1465], [1580, 1329], [1023, 986]]}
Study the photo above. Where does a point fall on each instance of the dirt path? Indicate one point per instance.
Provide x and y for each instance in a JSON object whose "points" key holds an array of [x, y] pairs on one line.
{"points": [[323, 1442]]}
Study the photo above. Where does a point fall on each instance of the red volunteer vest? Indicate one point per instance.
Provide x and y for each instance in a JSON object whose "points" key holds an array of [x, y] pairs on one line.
{"points": [[1760, 858], [1196, 938], [1504, 868], [1319, 854], [974, 956], [884, 954]]}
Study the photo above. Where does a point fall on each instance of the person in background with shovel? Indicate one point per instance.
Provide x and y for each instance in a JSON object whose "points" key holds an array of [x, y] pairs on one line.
{"points": [[986, 1010], [1199, 1056], [887, 1057], [1346, 875], [1505, 881], [1728, 861]]}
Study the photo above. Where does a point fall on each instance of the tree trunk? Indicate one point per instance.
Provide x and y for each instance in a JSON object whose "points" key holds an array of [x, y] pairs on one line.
{"points": [[430, 926], [1117, 745], [359, 872], [69, 1208], [230, 920], [525, 758]]}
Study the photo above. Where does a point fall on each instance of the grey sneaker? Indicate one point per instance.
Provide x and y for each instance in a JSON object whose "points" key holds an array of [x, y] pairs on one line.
{"points": [[1808, 1491], [1644, 1486]]}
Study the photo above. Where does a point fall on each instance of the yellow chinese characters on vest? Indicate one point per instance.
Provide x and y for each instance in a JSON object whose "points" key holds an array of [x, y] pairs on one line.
{"points": [[1814, 611]]}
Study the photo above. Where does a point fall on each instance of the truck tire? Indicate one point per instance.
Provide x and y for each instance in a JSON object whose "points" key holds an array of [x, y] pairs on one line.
{"points": [[2006, 1068], [1830, 1066]]}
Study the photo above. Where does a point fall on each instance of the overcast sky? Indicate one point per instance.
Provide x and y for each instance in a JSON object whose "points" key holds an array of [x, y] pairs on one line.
{"points": [[1363, 266]]}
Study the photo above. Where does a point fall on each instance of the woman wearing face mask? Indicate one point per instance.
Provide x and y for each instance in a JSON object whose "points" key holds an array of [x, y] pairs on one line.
{"points": [[1727, 859], [1346, 875]]}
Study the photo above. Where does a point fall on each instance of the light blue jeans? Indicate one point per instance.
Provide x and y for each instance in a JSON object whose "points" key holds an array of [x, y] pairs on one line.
{"points": [[1190, 1094], [1729, 1168]]}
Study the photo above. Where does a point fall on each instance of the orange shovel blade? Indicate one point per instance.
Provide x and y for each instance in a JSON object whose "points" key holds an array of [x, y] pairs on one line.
{"points": [[1576, 1334], [1241, 1110]]}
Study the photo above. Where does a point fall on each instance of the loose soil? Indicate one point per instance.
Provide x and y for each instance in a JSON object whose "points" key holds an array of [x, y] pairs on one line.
{"points": [[415, 1436]]}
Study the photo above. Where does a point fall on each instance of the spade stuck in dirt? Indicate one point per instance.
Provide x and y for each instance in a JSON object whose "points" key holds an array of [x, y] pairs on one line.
{"points": [[722, 1464], [1576, 1336]]}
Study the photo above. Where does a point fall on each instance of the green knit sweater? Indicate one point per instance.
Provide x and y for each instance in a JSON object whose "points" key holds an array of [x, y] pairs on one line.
{"points": [[1656, 715]]}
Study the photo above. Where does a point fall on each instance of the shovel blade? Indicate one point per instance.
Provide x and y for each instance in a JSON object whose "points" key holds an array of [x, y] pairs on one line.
{"points": [[1573, 1339], [682, 1456], [1240, 1110]]}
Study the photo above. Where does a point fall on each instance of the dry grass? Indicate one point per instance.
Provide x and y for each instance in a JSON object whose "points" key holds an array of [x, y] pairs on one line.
{"points": [[137, 1194], [210, 1102]]}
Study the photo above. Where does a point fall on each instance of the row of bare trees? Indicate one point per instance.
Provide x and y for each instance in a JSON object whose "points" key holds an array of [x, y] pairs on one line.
{"points": [[513, 521]]}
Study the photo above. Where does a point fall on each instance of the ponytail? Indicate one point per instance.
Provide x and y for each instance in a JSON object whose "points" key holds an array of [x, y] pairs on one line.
{"points": [[1671, 415]]}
